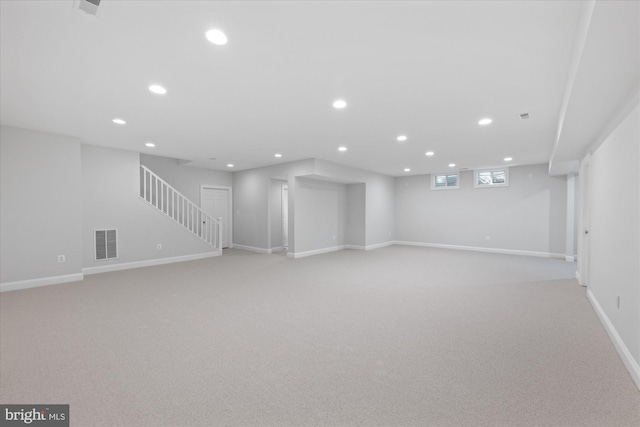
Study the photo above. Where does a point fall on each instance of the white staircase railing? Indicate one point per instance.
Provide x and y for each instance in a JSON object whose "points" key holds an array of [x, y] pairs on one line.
{"points": [[159, 194]]}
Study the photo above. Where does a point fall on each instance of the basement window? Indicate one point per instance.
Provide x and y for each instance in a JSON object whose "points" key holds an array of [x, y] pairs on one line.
{"points": [[489, 178], [445, 181]]}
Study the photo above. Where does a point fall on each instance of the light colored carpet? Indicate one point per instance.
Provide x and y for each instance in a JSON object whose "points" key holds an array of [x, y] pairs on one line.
{"points": [[396, 336]]}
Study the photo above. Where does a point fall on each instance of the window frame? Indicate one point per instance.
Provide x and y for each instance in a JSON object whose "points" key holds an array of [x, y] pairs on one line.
{"points": [[477, 172], [446, 187]]}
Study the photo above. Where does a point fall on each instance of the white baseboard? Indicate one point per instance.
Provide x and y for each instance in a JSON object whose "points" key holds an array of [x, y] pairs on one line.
{"points": [[379, 245], [356, 247], [370, 247], [146, 263], [570, 258], [44, 281], [628, 360], [481, 249], [275, 249], [317, 251], [251, 249]]}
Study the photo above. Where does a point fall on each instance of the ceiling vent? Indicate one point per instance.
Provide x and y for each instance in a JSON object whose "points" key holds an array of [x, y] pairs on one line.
{"points": [[525, 116], [88, 6]]}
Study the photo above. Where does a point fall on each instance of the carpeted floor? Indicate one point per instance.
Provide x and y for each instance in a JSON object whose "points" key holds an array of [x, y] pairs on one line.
{"points": [[398, 336]]}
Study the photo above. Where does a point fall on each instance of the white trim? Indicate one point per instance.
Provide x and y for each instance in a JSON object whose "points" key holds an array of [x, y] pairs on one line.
{"points": [[147, 263], [569, 258], [481, 249], [317, 251], [230, 208], [356, 247], [275, 249], [43, 281], [628, 360], [379, 245], [579, 279], [251, 249]]}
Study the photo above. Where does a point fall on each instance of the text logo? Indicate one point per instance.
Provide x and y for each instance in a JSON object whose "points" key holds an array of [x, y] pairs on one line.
{"points": [[34, 415]]}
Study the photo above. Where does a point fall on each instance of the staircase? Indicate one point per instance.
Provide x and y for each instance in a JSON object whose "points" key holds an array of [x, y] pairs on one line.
{"points": [[159, 194]]}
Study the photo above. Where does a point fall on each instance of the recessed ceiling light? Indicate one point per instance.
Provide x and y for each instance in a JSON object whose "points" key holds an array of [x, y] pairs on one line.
{"points": [[452, 165], [429, 153], [277, 155], [230, 165], [339, 104], [216, 37], [402, 138], [342, 148], [485, 121], [150, 144], [508, 159], [119, 121], [407, 170], [157, 89]]}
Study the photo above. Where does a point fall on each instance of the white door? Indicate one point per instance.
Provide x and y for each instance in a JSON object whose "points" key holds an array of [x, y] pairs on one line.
{"points": [[285, 217], [215, 203], [585, 220]]}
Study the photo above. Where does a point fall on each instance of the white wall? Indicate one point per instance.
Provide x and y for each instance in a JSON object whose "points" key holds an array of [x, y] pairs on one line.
{"points": [[110, 199], [379, 196], [355, 233], [613, 199], [252, 213], [186, 179], [321, 215], [275, 208], [251, 193], [40, 216], [529, 215]]}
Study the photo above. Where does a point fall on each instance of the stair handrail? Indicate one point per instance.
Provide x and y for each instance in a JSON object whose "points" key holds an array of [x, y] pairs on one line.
{"points": [[169, 201]]}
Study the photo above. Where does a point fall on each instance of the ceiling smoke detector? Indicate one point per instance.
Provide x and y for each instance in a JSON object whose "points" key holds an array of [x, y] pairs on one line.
{"points": [[525, 116]]}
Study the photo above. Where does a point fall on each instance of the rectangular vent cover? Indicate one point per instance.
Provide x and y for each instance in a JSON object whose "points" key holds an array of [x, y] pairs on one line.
{"points": [[106, 244]]}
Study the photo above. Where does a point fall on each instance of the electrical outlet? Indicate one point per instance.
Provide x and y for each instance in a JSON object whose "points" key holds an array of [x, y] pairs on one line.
{"points": [[159, 246], [62, 258], [487, 238]]}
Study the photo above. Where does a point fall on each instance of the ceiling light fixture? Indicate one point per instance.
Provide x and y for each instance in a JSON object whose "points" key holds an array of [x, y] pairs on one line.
{"points": [[485, 121], [119, 121], [429, 153], [216, 37], [407, 170], [157, 89], [402, 138], [278, 155], [150, 144], [452, 165], [339, 104], [342, 148], [508, 159], [230, 165]]}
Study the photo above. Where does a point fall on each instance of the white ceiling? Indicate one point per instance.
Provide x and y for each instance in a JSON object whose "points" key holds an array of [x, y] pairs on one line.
{"points": [[429, 70]]}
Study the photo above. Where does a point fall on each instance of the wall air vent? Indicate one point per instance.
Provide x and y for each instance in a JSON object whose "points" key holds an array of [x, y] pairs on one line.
{"points": [[525, 116], [106, 244]]}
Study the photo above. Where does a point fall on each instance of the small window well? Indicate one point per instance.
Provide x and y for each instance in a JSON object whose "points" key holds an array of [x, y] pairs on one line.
{"points": [[491, 178], [445, 181]]}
